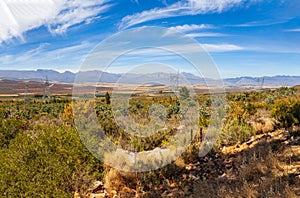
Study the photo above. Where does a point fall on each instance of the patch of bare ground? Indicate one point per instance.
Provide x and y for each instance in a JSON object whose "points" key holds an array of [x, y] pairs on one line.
{"points": [[268, 165], [265, 166]]}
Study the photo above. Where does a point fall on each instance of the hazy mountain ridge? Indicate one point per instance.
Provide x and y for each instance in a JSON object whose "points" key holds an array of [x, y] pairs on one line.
{"points": [[92, 76]]}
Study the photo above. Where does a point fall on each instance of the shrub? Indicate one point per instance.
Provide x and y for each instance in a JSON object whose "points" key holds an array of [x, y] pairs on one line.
{"points": [[287, 112], [52, 163]]}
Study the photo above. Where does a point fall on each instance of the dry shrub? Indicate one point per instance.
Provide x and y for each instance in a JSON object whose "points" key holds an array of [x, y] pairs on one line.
{"points": [[269, 125], [180, 162], [115, 181], [264, 125], [258, 126], [191, 154]]}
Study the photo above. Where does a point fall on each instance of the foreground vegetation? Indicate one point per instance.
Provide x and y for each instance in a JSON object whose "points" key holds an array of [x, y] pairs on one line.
{"points": [[41, 154]]}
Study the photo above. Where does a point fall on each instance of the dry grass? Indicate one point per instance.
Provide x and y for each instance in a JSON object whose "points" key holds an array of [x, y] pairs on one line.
{"points": [[266, 168], [264, 125], [259, 172], [123, 184]]}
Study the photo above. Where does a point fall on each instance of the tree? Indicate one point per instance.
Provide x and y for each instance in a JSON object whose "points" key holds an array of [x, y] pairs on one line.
{"points": [[107, 98], [184, 92]]}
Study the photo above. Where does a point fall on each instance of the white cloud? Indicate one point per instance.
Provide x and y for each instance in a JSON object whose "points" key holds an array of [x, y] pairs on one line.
{"points": [[193, 48], [17, 58], [192, 27], [18, 17], [74, 49], [206, 34], [261, 23], [167, 51], [192, 30], [76, 12], [181, 8], [41, 54], [6, 59], [221, 47], [135, 1], [31, 53], [293, 30]]}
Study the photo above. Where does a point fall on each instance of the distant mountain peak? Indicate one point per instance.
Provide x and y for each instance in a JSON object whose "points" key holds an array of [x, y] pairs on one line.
{"points": [[93, 76]]}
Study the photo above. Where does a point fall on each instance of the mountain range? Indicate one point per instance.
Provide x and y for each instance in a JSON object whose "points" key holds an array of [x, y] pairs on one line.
{"points": [[40, 75]]}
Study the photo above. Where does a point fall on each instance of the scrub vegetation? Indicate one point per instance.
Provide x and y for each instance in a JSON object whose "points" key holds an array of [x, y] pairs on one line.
{"points": [[256, 155]]}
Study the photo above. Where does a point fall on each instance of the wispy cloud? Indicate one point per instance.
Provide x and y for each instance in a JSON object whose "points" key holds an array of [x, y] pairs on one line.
{"points": [[293, 30], [221, 47], [135, 1], [17, 58], [261, 23], [196, 30], [31, 53], [42, 54], [191, 27], [166, 51], [181, 8], [18, 17], [76, 12], [206, 34]]}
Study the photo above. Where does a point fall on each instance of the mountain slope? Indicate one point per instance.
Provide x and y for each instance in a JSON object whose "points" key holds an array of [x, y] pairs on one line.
{"points": [[150, 78]]}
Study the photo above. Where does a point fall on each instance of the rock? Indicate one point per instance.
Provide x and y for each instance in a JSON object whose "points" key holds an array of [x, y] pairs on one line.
{"points": [[224, 148], [189, 167], [114, 192], [97, 195], [223, 176], [96, 185], [77, 195]]}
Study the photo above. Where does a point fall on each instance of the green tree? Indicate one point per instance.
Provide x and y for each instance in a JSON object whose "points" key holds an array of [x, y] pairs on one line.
{"points": [[107, 98]]}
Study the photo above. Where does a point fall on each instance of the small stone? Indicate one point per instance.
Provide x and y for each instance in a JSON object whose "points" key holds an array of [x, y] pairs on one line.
{"points": [[186, 189], [189, 167]]}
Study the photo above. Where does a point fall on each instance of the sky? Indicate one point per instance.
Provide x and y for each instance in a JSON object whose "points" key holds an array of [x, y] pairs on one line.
{"points": [[242, 37]]}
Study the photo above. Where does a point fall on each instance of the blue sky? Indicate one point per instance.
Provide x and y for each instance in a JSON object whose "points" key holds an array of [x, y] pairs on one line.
{"points": [[244, 37]]}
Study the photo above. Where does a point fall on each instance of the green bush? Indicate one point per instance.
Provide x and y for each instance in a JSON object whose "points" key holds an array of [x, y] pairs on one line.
{"points": [[287, 112], [52, 162]]}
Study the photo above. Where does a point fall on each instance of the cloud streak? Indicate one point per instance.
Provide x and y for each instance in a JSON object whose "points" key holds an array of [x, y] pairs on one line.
{"points": [[261, 23], [181, 8], [18, 17], [41, 54], [221, 47], [206, 34], [192, 27], [293, 30]]}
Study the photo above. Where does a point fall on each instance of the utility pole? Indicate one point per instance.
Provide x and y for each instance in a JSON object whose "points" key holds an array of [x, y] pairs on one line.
{"points": [[174, 78], [262, 83], [47, 87]]}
